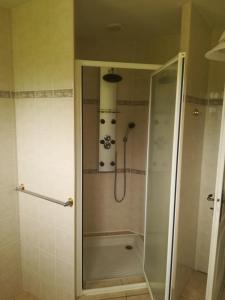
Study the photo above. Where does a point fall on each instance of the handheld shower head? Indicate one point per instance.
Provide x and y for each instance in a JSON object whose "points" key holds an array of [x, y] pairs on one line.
{"points": [[130, 126]]}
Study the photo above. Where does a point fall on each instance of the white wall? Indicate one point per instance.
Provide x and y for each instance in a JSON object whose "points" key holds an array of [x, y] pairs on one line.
{"points": [[10, 268], [43, 73]]}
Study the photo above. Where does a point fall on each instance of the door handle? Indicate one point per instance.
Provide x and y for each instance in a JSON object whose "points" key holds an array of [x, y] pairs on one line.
{"points": [[210, 197]]}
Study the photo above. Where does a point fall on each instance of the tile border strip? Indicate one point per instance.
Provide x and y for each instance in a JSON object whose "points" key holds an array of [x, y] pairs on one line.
{"points": [[215, 102], [64, 93], [120, 170], [203, 101], [60, 93], [189, 99], [5, 94], [119, 102]]}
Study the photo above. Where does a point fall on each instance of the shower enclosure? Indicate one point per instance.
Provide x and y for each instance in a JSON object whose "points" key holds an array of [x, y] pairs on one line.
{"points": [[154, 258]]}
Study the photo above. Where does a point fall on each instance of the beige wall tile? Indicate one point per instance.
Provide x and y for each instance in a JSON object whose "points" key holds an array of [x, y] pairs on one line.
{"points": [[190, 193], [43, 53], [208, 175], [101, 212]]}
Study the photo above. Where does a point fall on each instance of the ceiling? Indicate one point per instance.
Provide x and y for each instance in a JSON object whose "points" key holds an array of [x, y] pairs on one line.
{"points": [[140, 18]]}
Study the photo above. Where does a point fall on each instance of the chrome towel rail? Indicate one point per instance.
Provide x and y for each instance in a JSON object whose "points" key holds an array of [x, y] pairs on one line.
{"points": [[22, 189]]}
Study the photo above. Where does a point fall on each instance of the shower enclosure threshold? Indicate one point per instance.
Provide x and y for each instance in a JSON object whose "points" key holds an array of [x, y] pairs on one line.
{"points": [[118, 291]]}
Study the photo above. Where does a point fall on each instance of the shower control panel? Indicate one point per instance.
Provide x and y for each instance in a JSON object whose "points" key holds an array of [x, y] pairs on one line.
{"points": [[107, 142], [107, 121]]}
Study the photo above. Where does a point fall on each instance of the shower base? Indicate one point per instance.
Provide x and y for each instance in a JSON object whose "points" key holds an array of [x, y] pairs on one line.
{"points": [[112, 260]]}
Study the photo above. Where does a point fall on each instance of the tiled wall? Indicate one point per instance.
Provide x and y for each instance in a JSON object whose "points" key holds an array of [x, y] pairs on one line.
{"points": [[189, 197], [208, 177], [101, 212], [116, 216], [210, 154], [43, 75], [10, 268], [195, 41], [205, 81]]}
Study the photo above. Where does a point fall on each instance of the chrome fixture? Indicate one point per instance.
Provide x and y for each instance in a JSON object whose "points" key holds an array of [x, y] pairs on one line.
{"points": [[22, 189], [196, 112], [218, 52], [107, 142], [130, 126], [112, 77]]}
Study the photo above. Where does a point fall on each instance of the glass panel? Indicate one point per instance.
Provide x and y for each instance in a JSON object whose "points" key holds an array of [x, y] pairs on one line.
{"points": [[163, 102]]}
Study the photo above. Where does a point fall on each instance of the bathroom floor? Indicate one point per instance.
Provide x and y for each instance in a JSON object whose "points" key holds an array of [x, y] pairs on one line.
{"points": [[196, 287], [24, 296], [121, 254], [135, 295]]}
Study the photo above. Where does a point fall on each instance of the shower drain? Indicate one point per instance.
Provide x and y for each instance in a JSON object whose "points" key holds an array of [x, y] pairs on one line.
{"points": [[128, 247]]}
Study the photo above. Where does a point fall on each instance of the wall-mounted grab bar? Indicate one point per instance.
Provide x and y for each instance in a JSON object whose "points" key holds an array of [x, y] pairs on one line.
{"points": [[22, 189]]}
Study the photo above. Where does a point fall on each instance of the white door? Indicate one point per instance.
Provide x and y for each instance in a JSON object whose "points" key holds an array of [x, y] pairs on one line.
{"points": [[216, 272], [164, 134]]}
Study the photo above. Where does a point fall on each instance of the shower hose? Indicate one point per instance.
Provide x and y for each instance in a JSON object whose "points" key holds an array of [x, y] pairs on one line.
{"points": [[117, 199]]}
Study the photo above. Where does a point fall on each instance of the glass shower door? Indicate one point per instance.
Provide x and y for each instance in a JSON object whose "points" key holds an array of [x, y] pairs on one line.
{"points": [[162, 180]]}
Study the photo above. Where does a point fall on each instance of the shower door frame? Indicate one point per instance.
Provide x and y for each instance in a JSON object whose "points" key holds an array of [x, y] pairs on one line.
{"points": [[175, 172], [79, 64], [218, 206]]}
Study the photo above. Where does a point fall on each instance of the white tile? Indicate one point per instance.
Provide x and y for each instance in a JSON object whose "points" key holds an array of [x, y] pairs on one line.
{"points": [[64, 245], [47, 268]]}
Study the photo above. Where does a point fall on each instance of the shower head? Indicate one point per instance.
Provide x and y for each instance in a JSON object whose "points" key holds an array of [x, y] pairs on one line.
{"points": [[130, 126], [112, 77]]}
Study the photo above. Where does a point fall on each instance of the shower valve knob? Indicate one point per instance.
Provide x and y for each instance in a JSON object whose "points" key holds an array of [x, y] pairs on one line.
{"points": [[107, 138], [107, 145]]}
